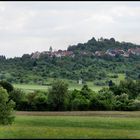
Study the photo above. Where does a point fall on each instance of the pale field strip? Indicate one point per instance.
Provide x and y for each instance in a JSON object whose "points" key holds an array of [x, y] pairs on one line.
{"points": [[82, 113]]}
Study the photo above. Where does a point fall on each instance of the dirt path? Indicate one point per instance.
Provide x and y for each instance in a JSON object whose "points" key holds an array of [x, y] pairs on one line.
{"points": [[82, 113]]}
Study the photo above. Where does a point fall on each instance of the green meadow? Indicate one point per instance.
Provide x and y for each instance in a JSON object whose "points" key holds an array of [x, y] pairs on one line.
{"points": [[98, 124], [72, 84]]}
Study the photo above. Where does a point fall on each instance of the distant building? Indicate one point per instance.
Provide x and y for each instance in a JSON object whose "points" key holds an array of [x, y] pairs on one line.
{"points": [[114, 52], [111, 52], [99, 53], [61, 53], [80, 81], [126, 54], [134, 51], [36, 55]]}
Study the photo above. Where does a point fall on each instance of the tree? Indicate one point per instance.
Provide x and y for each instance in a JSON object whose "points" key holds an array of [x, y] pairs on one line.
{"points": [[57, 95], [17, 96], [7, 86], [94, 102], [6, 108], [106, 99], [85, 91], [135, 105], [111, 83], [92, 41], [131, 88], [122, 102], [41, 101], [112, 40], [80, 103], [116, 89]]}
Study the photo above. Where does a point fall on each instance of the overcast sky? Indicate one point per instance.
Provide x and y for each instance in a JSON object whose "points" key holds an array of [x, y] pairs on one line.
{"points": [[26, 27]]}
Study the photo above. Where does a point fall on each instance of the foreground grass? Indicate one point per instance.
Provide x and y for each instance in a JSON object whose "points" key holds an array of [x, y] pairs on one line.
{"points": [[95, 125]]}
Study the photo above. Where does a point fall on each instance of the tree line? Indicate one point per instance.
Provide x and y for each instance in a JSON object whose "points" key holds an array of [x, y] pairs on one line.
{"points": [[122, 97], [125, 96]]}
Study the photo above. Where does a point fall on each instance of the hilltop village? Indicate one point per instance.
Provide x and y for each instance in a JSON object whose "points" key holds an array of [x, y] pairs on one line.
{"points": [[109, 52], [93, 60]]}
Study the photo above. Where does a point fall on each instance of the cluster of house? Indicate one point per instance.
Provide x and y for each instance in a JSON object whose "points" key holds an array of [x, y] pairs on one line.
{"points": [[115, 52], [110, 52], [59, 53]]}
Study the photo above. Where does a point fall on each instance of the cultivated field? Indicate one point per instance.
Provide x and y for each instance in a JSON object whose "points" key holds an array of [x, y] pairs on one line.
{"points": [[94, 124]]}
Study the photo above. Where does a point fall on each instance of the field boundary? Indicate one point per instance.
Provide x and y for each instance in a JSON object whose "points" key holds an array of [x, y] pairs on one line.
{"points": [[81, 113]]}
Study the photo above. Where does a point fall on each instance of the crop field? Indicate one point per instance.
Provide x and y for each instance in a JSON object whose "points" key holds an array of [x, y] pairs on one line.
{"points": [[90, 124]]}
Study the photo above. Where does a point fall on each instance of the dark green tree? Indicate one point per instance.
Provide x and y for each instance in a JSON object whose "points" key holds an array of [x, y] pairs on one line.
{"points": [[17, 95], [80, 103], [6, 85], [57, 95], [85, 91], [106, 99], [110, 83]]}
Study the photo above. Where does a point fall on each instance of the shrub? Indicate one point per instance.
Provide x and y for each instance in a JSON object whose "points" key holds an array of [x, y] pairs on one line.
{"points": [[80, 103], [122, 102], [17, 96], [106, 99], [135, 105], [85, 91], [6, 108], [40, 102], [7, 86]]}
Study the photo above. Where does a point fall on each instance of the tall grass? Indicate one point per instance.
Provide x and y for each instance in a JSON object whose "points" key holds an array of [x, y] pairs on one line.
{"points": [[72, 127]]}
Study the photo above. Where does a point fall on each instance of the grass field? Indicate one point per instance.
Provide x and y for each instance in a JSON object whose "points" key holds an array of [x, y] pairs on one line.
{"points": [[31, 87], [121, 77], [72, 84], [95, 124]]}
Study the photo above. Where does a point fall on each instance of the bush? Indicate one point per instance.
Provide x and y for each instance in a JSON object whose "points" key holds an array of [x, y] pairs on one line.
{"points": [[7, 86], [6, 108], [40, 102], [86, 92], [114, 76], [122, 102], [135, 105], [80, 103], [94, 103], [17, 96], [106, 99]]}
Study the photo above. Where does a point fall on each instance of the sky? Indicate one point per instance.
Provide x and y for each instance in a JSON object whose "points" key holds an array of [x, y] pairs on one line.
{"points": [[26, 27]]}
